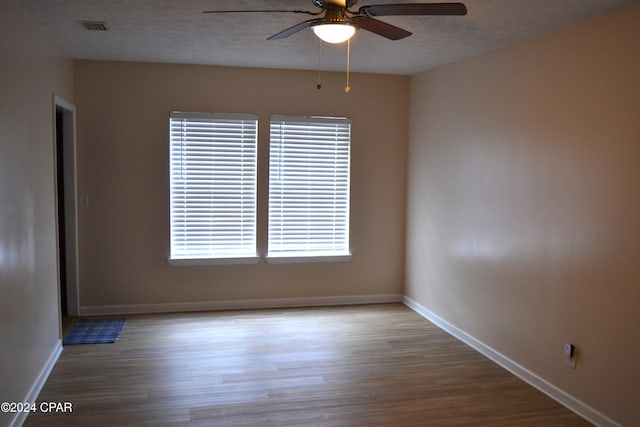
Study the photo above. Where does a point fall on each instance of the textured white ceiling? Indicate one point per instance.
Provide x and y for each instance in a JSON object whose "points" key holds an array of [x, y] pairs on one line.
{"points": [[176, 31]]}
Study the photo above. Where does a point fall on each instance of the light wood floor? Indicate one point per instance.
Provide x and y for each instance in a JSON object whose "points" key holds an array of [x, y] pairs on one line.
{"points": [[377, 365]]}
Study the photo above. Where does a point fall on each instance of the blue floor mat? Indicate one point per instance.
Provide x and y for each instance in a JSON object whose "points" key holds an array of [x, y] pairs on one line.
{"points": [[95, 331]]}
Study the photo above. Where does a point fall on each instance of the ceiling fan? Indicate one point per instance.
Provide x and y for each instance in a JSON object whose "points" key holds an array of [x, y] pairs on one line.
{"points": [[336, 23]]}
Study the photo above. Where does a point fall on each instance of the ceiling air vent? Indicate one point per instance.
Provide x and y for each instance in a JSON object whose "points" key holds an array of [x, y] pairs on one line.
{"points": [[94, 25]]}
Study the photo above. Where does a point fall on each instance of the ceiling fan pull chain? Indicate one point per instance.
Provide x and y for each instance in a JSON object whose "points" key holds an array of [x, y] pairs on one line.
{"points": [[319, 85], [347, 88]]}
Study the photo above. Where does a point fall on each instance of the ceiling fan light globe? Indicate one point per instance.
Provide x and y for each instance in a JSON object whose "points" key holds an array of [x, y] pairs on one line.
{"points": [[334, 33]]}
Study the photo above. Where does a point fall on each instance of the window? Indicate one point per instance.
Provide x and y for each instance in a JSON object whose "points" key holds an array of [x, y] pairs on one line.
{"points": [[212, 186], [309, 187]]}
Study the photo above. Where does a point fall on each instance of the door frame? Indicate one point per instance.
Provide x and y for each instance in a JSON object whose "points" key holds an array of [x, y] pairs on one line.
{"points": [[71, 205]]}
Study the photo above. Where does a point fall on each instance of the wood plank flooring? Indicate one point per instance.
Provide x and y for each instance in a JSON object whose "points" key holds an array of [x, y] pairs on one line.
{"points": [[376, 365]]}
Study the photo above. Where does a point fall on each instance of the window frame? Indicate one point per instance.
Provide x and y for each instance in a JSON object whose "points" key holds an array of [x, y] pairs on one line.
{"points": [[175, 257], [299, 257]]}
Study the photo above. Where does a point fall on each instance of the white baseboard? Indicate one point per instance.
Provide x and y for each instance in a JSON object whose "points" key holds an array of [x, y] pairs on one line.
{"points": [[37, 385], [592, 415], [109, 310]]}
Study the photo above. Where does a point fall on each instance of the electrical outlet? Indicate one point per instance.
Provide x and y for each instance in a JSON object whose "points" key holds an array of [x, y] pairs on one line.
{"points": [[570, 355]]}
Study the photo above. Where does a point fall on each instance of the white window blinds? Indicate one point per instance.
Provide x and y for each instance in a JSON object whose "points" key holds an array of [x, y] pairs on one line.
{"points": [[213, 185], [309, 186]]}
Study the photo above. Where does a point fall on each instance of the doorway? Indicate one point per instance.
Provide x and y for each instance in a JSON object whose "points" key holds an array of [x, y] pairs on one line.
{"points": [[66, 211]]}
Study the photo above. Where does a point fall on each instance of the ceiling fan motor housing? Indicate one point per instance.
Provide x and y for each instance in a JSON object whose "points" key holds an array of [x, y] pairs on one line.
{"points": [[335, 15]]}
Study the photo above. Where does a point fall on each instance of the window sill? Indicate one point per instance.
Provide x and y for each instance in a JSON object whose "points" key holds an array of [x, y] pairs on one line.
{"points": [[213, 261], [290, 259]]}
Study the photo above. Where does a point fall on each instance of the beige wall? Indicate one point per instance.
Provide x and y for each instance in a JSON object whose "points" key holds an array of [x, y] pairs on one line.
{"points": [[524, 208], [31, 70], [123, 111]]}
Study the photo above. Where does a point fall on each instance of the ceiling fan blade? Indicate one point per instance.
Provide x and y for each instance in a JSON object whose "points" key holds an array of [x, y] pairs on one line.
{"points": [[413, 9], [263, 11], [292, 30], [381, 28]]}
